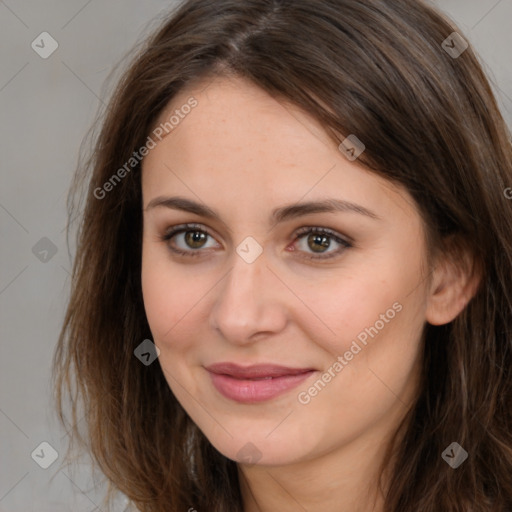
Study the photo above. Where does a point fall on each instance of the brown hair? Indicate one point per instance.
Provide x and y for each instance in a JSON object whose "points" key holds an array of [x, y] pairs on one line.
{"points": [[429, 121]]}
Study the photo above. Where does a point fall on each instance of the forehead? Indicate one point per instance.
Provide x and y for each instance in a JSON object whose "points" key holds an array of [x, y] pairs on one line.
{"points": [[238, 140], [240, 113]]}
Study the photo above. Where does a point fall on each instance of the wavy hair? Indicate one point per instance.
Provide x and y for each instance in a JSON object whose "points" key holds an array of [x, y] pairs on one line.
{"points": [[430, 122]]}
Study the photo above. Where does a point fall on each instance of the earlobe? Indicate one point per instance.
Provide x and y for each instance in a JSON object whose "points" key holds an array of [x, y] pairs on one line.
{"points": [[454, 283]]}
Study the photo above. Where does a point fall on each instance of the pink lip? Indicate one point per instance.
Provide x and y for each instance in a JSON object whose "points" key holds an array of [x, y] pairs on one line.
{"points": [[256, 383]]}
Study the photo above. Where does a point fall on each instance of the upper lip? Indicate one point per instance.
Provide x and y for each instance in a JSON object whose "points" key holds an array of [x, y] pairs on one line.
{"points": [[254, 371]]}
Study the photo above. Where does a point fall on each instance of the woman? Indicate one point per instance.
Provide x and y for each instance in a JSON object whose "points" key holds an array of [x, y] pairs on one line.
{"points": [[292, 282]]}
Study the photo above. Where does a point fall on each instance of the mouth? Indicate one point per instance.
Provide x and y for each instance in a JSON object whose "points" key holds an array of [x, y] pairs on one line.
{"points": [[257, 383]]}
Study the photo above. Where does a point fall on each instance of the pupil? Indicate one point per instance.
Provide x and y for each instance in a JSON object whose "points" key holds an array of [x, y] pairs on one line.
{"points": [[321, 240], [194, 236]]}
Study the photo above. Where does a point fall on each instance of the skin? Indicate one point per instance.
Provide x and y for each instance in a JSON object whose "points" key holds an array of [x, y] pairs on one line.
{"points": [[243, 153]]}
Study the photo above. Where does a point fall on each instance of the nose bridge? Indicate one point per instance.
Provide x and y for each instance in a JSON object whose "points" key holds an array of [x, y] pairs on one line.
{"points": [[244, 277], [244, 304], [242, 288]]}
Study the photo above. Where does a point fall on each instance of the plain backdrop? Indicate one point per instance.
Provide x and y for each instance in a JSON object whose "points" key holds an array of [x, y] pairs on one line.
{"points": [[46, 107]]}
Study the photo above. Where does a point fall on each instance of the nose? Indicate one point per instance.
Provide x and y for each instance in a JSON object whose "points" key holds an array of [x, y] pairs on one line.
{"points": [[250, 303]]}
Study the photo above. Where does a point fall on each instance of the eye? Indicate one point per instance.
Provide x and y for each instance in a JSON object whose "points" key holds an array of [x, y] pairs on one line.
{"points": [[190, 238], [319, 240]]}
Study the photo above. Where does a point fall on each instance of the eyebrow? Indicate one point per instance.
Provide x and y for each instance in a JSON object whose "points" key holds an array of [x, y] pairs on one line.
{"points": [[281, 214]]}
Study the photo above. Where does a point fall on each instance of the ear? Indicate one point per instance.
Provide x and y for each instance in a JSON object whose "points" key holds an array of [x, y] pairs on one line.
{"points": [[453, 284]]}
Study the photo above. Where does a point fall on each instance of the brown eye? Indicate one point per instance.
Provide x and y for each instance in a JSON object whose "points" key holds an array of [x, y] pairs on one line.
{"points": [[187, 240], [195, 239], [319, 241]]}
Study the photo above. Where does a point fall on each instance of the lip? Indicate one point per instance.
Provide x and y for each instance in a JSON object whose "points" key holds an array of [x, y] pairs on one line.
{"points": [[256, 383]]}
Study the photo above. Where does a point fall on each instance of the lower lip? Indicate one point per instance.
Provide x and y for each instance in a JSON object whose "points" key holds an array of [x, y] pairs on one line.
{"points": [[253, 391]]}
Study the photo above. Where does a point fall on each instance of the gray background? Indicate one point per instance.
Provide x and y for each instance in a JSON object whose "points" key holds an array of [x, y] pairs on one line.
{"points": [[46, 107]]}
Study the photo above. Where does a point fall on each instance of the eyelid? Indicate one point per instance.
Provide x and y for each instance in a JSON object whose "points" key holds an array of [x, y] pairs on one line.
{"points": [[331, 232], [189, 226]]}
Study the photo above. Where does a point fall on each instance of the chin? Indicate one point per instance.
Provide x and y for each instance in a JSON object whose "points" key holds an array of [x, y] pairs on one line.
{"points": [[260, 451]]}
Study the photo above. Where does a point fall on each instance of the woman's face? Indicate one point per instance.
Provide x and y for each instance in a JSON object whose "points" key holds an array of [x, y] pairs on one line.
{"points": [[281, 344]]}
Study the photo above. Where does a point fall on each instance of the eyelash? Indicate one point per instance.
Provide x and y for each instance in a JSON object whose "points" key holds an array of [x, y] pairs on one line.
{"points": [[300, 233]]}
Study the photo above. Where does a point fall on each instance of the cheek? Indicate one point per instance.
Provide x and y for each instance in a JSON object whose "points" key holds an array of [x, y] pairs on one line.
{"points": [[378, 367], [374, 311], [176, 301], [378, 318], [169, 307], [166, 310], [360, 302]]}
